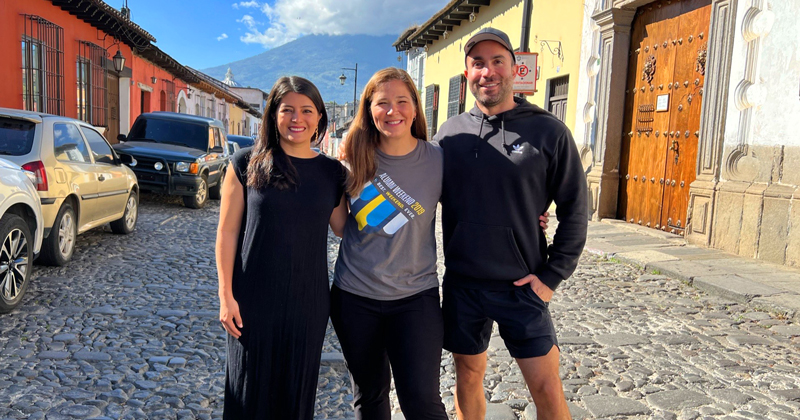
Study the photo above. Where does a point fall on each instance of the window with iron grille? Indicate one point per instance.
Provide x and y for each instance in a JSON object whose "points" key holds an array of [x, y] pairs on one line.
{"points": [[456, 95], [42, 66], [558, 93], [431, 108], [91, 84], [169, 88]]}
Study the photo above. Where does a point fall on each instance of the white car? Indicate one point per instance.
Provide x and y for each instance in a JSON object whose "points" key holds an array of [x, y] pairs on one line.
{"points": [[21, 229]]}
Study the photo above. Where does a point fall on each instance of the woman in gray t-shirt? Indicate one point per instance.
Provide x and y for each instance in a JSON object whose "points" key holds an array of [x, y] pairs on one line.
{"points": [[385, 297]]}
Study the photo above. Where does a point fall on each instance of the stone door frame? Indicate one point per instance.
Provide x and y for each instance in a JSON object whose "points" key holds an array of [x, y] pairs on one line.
{"points": [[614, 19]]}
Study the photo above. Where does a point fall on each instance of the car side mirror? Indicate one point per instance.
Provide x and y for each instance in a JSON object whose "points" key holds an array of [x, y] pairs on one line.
{"points": [[121, 138], [126, 159], [217, 150]]}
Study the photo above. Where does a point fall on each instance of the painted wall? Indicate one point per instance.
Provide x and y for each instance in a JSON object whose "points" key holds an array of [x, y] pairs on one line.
{"points": [[589, 63], [557, 21], [253, 124], [253, 96], [75, 30], [196, 101], [236, 120], [776, 89], [550, 21], [143, 89]]}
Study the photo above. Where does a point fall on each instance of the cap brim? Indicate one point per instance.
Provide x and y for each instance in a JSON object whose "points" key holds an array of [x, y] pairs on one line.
{"points": [[486, 37]]}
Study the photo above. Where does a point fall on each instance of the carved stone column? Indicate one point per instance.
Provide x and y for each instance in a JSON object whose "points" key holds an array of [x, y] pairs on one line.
{"points": [[705, 190], [615, 41]]}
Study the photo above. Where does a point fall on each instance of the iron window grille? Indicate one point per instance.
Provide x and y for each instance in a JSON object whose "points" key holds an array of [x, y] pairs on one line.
{"points": [[431, 108], [42, 66], [456, 97], [91, 84]]}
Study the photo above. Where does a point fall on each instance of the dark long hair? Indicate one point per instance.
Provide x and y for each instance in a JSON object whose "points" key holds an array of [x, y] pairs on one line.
{"points": [[364, 137], [269, 165]]}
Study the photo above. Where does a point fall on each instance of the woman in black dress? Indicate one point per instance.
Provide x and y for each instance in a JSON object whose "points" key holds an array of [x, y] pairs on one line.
{"points": [[271, 255]]}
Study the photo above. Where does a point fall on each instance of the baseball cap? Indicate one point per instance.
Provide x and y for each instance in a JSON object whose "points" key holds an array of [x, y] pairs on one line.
{"points": [[489, 34]]}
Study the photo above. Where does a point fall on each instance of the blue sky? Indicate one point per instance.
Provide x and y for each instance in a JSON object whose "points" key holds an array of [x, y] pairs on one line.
{"points": [[207, 33]]}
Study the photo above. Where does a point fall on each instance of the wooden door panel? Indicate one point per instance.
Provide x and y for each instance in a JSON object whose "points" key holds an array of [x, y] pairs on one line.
{"points": [[627, 202], [112, 90], [664, 25], [685, 119]]}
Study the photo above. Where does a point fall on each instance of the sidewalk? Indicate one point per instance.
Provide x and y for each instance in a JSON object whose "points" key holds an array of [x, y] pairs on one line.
{"points": [[771, 287]]}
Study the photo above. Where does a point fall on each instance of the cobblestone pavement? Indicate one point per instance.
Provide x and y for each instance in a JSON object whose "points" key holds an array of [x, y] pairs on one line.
{"points": [[129, 329]]}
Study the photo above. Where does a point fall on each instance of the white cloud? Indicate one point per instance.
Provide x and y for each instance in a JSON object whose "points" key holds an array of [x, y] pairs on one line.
{"points": [[252, 3], [221, 37], [272, 36], [290, 19]]}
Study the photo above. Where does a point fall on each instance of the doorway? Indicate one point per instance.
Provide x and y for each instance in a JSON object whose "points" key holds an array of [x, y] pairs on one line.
{"points": [[664, 93]]}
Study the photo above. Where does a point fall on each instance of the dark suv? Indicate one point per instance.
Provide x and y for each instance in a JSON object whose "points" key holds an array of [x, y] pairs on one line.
{"points": [[177, 154]]}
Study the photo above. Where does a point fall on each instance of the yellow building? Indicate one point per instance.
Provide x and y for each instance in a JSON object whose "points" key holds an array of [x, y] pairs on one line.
{"points": [[236, 119], [436, 56]]}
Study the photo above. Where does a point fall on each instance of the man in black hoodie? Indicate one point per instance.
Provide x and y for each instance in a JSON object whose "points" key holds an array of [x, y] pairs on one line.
{"points": [[505, 162]]}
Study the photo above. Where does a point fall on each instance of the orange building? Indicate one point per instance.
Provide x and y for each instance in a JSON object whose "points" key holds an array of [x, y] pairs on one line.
{"points": [[63, 57], [58, 58]]}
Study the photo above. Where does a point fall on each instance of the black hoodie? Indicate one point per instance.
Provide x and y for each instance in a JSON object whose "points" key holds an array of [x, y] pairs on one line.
{"points": [[500, 173]]}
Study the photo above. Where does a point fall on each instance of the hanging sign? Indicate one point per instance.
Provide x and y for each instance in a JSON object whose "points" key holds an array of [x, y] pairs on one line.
{"points": [[527, 69]]}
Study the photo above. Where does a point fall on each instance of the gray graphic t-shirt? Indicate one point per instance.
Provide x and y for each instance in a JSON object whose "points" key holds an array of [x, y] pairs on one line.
{"points": [[388, 250]]}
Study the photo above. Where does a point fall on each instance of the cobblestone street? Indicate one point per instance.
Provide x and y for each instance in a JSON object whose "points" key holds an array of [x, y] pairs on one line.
{"points": [[129, 329]]}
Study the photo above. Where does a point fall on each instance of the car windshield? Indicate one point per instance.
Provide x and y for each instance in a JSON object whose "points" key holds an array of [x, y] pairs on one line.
{"points": [[16, 136], [170, 132]]}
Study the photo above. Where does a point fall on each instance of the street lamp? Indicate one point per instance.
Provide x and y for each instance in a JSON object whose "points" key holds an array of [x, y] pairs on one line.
{"points": [[342, 79], [119, 61]]}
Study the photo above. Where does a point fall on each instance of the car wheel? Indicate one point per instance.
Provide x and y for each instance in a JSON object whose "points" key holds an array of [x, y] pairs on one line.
{"points": [[127, 223], [57, 248], [198, 200], [215, 192], [15, 261]]}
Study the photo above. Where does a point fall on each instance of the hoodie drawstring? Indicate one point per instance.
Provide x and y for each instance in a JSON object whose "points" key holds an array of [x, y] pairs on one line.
{"points": [[478, 140], [503, 129]]}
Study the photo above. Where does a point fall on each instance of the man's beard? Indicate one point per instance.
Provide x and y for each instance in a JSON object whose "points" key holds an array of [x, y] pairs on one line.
{"points": [[489, 101]]}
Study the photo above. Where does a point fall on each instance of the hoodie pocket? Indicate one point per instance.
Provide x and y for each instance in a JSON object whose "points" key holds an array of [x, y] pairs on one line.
{"points": [[485, 252]]}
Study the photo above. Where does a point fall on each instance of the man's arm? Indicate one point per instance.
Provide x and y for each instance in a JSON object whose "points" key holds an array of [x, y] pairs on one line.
{"points": [[566, 186]]}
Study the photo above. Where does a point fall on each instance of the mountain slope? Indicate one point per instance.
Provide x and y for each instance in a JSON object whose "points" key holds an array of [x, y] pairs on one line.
{"points": [[319, 58]]}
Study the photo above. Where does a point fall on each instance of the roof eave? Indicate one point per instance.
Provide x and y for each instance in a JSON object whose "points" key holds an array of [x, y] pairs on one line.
{"points": [[451, 15]]}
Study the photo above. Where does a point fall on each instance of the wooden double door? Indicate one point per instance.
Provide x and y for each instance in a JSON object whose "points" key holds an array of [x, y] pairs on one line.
{"points": [[664, 95]]}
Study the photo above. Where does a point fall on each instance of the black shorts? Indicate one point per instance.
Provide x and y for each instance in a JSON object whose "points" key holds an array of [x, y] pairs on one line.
{"points": [[522, 316]]}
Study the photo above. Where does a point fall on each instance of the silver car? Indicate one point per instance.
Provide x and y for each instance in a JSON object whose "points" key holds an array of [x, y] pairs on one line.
{"points": [[82, 183], [20, 232]]}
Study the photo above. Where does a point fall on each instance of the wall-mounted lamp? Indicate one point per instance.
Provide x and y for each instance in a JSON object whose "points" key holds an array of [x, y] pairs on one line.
{"points": [[154, 79], [119, 61], [444, 34], [472, 17]]}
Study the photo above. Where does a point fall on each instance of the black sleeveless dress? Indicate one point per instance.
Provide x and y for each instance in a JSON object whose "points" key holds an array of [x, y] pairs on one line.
{"points": [[280, 281]]}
